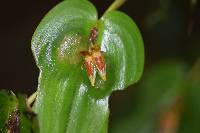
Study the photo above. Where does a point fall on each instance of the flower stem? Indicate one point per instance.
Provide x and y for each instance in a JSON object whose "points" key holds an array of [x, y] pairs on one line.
{"points": [[32, 98], [115, 5]]}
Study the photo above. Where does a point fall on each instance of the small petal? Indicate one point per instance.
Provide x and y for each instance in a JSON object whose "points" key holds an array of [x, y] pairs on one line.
{"points": [[100, 64], [90, 68]]}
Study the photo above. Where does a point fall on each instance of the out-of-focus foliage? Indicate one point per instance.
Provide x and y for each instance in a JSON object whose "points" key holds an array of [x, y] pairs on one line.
{"points": [[159, 89], [190, 118], [167, 101], [171, 31]]}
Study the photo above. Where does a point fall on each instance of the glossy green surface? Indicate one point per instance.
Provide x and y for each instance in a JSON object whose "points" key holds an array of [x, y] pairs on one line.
{"points": [[66, 100]]}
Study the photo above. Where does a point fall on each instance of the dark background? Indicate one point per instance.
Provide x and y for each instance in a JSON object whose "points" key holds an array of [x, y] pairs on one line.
{"points": [[170, 28]]}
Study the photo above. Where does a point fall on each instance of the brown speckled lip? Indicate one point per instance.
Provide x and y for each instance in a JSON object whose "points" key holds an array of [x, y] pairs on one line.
{"points": [[13, 122]]}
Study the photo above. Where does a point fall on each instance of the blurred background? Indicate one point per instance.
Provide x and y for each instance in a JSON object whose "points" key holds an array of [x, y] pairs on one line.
{"points": [[165, 100]]}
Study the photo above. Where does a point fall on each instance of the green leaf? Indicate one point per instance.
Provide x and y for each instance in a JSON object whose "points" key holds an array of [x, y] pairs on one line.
{"points": [[8, 103], [124, 49], [67, 102]]}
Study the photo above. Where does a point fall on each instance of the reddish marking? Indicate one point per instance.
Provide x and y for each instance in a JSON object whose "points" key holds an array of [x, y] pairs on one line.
{"points": [[89, 65], [84, 53], [99, 60], [93, 35]]}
